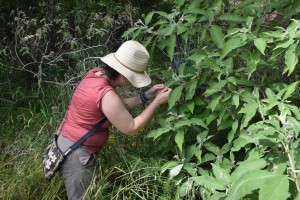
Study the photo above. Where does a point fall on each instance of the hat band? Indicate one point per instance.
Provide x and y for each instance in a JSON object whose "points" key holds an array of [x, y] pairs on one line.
{"points": [[126, 66]]}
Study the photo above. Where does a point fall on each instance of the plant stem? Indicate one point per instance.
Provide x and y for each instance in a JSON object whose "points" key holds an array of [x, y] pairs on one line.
{"points": [[294, 171]]}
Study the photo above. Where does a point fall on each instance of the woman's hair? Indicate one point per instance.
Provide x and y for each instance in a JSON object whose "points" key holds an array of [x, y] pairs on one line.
{"points": [[110, 72]]}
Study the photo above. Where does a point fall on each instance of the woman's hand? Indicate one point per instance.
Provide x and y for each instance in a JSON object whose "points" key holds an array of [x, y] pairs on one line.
{"points": [[163, 96], [154, 90]]}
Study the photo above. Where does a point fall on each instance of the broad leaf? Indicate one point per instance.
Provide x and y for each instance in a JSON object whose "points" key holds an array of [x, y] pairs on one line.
{"points": [[214, 102], [169, 165], [231, 44], [221, 174], [190, 89], [215, 87], [290, 89], [217, 36], [236, 100], [291, 59], [198, 122], [276, 189], [183, 189], [250, 181], [233, 131], [175, 96], [249, 110], [209, 182], [148, 17], [244, 167], [285, 44], [231, 17], [252, 62], [179, 138], [171, 47], [175, 171], [158, 132], [260, 45], [212, 148], [190, 104], [197, 58], [180, 28], [166, 31]]}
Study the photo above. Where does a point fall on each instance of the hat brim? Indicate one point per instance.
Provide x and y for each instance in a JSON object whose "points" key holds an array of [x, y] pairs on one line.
{"points": [[137, 79]]}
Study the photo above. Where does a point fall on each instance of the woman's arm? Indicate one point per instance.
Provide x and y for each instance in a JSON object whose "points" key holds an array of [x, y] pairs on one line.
{"points": [[118, 115], [133, 102]]}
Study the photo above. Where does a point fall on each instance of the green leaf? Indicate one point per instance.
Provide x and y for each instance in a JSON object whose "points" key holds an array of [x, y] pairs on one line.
{"points": [[175, 171], [214, 102], [212, 147], [232, 44], [249, 109], [171, 47], [162, 13], [196, 11], [148, 17], [250, 181], [231, 134], [129, 31], [236, 100], [252, 62], [158, 132], [190, 104], [190, 89], [166, 31], [169, 165], [290, 89], [291, 59], [260, 45], [175, 96], [209, 182], [271, 95], [217, 36], [215, 87], [197, 58], [198, 122], [180, 28], [221, 174], [276, 188], [285, 44], [231, 17], [181, 123], [217, 196], [244, 167], [183, 189], [190, 19], [179, 138]]}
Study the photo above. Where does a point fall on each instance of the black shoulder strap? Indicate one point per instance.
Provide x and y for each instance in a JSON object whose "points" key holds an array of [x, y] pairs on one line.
{"points": [[84, 138]]}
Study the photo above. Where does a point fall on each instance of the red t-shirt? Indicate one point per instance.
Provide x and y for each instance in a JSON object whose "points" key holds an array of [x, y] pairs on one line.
{"points": [[84, 111]]}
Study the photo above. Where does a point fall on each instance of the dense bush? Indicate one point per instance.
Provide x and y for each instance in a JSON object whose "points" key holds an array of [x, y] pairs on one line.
{"points": [[229, 131], [233, 115]]}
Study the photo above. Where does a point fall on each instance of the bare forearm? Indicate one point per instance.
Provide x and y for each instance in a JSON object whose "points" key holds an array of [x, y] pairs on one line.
{"points": [[132, 102], [141, 120]]}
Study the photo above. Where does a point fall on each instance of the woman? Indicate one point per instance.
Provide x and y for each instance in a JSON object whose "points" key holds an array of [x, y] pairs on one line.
{"points": [[94, 99]]}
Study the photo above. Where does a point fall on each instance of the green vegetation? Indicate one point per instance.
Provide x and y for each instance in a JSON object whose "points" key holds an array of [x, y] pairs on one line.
{"points": [[230, 129]]}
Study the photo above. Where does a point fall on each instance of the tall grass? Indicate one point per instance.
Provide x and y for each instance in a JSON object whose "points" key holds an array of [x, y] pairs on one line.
{"points": [[27, 125], [136, 178], [126, 169]]}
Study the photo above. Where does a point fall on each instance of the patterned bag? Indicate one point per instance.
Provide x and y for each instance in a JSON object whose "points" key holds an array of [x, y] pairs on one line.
{"points": [[52, 159]]}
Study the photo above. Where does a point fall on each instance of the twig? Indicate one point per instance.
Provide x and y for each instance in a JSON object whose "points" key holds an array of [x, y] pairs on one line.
{"points": [[7, 100]]}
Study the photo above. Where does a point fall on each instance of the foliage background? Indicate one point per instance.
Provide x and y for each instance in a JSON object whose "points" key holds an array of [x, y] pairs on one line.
{"points": [[229, 131]]}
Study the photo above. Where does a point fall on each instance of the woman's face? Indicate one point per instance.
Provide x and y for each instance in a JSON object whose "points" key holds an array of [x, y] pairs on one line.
{"points": [[125, 81]]}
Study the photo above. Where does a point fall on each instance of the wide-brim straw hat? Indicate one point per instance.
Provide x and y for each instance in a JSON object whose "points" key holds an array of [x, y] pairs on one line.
{"points": [[130, 60]]}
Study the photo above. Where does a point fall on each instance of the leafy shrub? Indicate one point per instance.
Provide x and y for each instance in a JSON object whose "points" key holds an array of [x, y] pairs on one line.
{"points": [[233, 115]]}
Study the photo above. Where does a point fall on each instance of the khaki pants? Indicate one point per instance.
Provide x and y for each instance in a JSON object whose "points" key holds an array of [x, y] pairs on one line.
{"points": [[77, 169]]}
